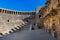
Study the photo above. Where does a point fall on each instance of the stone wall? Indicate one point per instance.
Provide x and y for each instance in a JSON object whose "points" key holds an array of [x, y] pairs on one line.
{"points": [[9, 21], [51, 17], [12, 20]]}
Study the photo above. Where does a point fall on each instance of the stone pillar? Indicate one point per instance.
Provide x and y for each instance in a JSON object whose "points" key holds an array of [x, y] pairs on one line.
{"points": [[37, 17], [14, 13], [3, 11]]}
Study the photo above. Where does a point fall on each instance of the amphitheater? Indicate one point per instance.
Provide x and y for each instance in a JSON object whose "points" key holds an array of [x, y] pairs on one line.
{"points": [[46, 18], [12, 20]]}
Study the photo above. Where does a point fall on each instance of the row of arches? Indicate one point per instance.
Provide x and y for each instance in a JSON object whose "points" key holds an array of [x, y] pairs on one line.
{"points": [[15, 12]]}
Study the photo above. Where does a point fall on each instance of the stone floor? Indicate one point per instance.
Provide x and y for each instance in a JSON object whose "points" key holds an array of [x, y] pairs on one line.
{"points": [[26, 34], [29, 35]]}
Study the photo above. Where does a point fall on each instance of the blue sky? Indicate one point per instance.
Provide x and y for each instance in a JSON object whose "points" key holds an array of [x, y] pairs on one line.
{"points": [[21, 5]]}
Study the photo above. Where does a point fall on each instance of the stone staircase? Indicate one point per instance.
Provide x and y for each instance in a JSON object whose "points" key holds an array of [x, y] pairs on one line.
{"points": [[9, 27], [10, 23]]}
